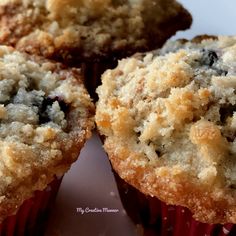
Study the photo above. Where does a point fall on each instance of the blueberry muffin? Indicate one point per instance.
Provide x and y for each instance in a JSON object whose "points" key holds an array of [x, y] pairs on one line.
{"points": [[79, 31], [46, 116], [168, 120]]}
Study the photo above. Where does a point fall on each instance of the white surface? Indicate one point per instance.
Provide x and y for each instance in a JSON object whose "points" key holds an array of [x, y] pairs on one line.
{"points": [[90, 183]]}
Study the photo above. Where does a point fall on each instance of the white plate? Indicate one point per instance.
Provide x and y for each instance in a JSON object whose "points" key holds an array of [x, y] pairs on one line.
{"points": [[90, 184]]}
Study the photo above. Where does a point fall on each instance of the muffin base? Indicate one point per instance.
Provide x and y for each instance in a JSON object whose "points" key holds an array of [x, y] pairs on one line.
{"points": [[154, 218], [31, 218]]}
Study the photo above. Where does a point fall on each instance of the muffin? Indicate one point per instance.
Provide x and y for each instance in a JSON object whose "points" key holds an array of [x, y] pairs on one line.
{"points": [[46, 116], [168, 121], [89, 33]]}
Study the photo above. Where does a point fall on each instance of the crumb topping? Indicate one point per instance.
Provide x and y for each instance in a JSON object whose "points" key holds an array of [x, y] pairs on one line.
{"points": [[169, 121], [62, 29], [45, 117]]}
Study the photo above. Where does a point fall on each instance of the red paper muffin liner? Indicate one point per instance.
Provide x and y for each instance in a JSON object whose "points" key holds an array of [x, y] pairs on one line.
{"points": [[154, 218], [31, 218]]}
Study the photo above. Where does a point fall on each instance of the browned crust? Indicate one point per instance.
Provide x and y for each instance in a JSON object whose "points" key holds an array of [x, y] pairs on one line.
{"points": [[206, 206], [16, 31], [13, 28], [198, 39], [180, 21], [79, 130], [16, 195], [208, 203]]}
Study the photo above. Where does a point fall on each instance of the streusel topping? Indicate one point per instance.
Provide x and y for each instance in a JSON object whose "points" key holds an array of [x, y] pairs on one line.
{"points": [[83, 29], [169, 120], [45, 117]]}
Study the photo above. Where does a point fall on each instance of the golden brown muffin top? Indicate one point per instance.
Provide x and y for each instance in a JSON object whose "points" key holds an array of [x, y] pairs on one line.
{"points": [[169, 123], [89, 29], [46, 116]]}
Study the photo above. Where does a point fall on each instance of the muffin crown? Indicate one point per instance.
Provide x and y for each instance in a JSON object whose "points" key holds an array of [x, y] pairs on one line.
{"points": [[168, 118], [46, 116], [76, 31]]}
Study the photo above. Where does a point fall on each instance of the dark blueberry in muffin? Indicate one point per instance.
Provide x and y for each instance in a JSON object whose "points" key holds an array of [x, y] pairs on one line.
{"points": [[209, 57]]}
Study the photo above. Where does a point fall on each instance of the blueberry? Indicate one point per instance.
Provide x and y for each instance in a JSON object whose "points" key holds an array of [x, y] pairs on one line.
{"points": [[63, 105], [47, 102], [221, 72], [226, 111], [209, 57]]}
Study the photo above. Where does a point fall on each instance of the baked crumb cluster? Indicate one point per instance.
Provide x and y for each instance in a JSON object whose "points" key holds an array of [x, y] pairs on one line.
{"points": [[45, 117], [169, 123], [67, 29]]}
